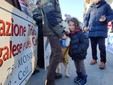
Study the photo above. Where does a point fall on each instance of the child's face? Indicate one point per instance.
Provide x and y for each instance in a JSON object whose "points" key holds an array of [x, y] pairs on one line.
{"points": [[96, 1], [71, 26]]}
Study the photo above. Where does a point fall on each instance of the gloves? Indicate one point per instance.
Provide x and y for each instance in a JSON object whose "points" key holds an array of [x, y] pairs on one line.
{"points": [[63, 43]]}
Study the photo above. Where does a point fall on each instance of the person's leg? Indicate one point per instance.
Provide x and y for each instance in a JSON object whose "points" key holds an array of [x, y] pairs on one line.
{"points": [[59, 65], [82, 67], [56, 58], [40, 48], [102, 48], [83, 80], [76, 62], [94, 50], [58, 74], [78, 77]]}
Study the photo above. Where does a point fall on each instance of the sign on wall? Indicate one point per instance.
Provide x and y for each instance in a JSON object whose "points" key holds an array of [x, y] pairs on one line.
{"points": [[18, 45]]}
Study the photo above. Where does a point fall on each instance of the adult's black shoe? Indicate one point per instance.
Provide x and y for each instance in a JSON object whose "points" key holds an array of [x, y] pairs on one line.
{"points": [[36, 71], [58, 75]]}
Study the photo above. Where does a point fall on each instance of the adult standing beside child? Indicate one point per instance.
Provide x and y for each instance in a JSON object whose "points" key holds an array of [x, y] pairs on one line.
{"points": [[95, 21], [54, 31]]}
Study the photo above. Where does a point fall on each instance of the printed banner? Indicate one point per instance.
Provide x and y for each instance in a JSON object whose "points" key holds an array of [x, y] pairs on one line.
{"points": [[110, 42], [18, 45]]}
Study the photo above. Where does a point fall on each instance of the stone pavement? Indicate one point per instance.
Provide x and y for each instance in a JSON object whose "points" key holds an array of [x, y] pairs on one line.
{"points": [[96, 76]]}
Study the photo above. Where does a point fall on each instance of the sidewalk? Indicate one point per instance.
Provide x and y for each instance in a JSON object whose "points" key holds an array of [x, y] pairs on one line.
{"points": [[95, 75]]}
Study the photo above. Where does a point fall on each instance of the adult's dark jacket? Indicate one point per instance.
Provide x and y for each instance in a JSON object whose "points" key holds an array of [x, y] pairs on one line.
{"points": [[78, 45], [91, 20], [37, 15], [52, 18]]}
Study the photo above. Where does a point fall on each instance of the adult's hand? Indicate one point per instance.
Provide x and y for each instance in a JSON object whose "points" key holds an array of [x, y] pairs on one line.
{"points": [[85, 29], [102, 19], [64, 36]]}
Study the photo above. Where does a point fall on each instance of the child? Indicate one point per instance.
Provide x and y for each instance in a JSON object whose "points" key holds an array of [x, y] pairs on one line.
{"points": [[78, 50]]}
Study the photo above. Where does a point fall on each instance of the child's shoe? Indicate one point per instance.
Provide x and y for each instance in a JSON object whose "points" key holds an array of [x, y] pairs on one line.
{"points": [[78, 77], [83, 80]]}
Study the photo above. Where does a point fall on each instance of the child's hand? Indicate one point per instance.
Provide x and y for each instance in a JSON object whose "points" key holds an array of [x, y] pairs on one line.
{"points": [[102, 19]]}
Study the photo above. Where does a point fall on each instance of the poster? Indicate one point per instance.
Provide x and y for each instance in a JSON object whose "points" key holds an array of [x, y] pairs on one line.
{"points": [[18, 45]]}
